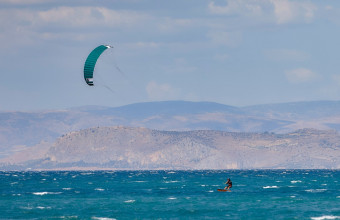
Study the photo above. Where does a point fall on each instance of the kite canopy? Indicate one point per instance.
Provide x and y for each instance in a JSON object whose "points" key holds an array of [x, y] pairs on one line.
{"points": [[90, 63]]}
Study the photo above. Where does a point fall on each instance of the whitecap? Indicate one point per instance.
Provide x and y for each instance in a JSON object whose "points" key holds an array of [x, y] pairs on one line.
{"points": [[296, 181], [325, 217], [315, 190], [211, 191], [270, 187], [99, 189], [171, 181], [140, 181], [45, 193], [26, 208], [86, 174], [67, 188], [172, 198], [40, 193], [42, 207], [103, 218], [130, 201]]}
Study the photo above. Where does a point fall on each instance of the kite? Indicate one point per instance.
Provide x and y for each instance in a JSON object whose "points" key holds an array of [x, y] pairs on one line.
{"points": [[91, 61]]}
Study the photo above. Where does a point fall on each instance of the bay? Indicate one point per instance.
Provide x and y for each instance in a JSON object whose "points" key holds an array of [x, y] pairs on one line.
{"points": [[164, 194]]}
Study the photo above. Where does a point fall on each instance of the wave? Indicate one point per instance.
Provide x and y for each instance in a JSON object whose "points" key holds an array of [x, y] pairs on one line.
{"points": [[69, 217], [130, 201], [103, 218], [315, 190], [296, 181], [88, 173], [16, 194], [325, 217], [174, 181], [42, 207], [99, 189], [45, 193], [270, 187]]}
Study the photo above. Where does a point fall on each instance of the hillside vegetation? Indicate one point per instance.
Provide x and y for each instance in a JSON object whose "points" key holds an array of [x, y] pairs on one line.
{"points": [[141, 148], [22, 130]]}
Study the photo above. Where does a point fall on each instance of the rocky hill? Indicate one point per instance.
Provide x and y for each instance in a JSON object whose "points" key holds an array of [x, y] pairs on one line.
{"points": [[141, 148], [22, 130]]}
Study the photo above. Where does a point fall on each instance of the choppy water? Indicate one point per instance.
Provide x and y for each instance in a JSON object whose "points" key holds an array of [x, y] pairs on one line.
{"points": [[263, 194]]}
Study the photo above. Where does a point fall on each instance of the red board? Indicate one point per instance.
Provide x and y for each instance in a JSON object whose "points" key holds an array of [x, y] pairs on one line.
{"points": [[222, 190]]}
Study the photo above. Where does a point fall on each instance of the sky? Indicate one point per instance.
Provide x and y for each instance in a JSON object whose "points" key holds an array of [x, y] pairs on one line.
{"points": [[234, 52]]}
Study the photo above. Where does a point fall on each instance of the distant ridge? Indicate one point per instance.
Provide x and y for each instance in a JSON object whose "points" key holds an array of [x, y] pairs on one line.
{"points": [[20, 130], [297, 110], [147, 109], [127, 148]]}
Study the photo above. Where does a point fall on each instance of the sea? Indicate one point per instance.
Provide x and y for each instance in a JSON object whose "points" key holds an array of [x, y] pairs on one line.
{"points": [[166, 194]]}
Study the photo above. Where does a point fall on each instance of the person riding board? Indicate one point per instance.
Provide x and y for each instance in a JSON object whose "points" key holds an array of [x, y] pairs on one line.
{"points": [[229, 184]]}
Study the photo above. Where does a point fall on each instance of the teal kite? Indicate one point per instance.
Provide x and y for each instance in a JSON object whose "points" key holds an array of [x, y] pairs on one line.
{"points": [[90, 63]]}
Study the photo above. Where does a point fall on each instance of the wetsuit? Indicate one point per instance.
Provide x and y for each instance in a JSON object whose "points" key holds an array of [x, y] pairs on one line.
{"points": [[229, 183]]}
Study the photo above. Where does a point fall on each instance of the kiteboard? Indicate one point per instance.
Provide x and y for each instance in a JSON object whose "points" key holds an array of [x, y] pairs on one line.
{"points": [[223, 190]]}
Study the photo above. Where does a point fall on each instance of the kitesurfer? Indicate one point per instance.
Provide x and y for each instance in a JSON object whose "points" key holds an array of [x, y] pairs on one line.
{"points": [[229, 184]]}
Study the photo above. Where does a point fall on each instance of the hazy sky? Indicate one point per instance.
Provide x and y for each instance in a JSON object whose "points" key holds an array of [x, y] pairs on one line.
{"points": [[240, 52]]}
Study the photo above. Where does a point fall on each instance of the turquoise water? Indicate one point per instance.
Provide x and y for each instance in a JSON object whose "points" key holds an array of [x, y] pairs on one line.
{"points": [[262, 194]]}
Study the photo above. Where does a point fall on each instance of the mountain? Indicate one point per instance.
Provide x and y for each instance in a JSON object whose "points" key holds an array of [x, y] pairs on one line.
{"points": [[22, 130], [141, 148], [296, 110]]}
